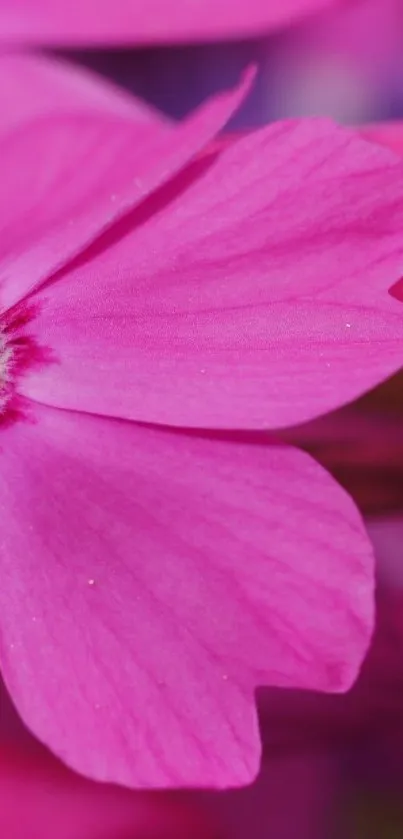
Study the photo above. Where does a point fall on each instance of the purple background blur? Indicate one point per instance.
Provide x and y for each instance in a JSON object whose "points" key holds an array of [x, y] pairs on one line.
{"points": [[345, 62]]}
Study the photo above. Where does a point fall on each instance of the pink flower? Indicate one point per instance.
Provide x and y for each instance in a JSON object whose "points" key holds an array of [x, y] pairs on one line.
{"points": [[143, 21], [153, 288]]}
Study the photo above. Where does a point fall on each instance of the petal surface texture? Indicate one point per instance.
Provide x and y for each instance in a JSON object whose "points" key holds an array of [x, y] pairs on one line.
{"points": [[236, 296], [151, 580]]}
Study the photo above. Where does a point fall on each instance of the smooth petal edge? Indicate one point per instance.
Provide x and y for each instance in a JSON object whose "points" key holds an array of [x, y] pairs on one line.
{"points": [[240, 760]]}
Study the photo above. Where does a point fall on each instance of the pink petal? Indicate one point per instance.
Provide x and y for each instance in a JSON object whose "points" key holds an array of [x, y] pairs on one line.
{"points": [[70, 173], [237, 297], [290, 789], [302, 720], [117, 21], [389, 134], [151, 580]]}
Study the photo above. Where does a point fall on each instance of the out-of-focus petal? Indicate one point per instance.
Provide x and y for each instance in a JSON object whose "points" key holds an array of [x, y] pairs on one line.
{"points": [[110, 22], [344, 62], [238, 296], [32, 86], [159, 578]]}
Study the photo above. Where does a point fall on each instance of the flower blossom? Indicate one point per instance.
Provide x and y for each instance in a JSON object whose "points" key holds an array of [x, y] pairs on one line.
{"points": [[164, 303]]}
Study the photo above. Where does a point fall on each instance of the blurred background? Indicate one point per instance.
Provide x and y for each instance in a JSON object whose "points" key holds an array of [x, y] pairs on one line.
{"points": [[345, 61]]}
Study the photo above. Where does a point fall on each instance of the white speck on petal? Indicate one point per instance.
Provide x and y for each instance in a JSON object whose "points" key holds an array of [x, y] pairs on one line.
{"points": [[348, 324], [91, 582]]}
